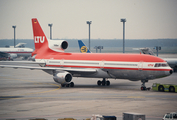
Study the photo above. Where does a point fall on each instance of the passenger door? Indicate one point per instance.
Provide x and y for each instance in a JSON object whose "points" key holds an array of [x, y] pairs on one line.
{"points": [[140, 65]]}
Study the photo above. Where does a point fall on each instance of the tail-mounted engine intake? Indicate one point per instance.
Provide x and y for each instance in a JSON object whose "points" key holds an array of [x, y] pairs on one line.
{"points": [[58, 45], [62, 77]]}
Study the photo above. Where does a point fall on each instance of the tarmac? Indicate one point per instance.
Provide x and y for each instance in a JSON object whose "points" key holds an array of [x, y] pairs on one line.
{"points": [[28, 94]]}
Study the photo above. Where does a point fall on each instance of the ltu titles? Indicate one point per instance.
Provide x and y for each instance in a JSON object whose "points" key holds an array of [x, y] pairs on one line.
{"points": [[39, 39]]}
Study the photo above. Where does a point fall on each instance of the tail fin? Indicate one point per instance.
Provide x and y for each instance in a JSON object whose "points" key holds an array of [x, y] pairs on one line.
{"points": [[83, 48], [40, 39]]}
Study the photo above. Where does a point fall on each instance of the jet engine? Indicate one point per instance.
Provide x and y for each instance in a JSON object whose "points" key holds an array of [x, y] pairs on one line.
{"points": [[62, 77], [58, 45]]}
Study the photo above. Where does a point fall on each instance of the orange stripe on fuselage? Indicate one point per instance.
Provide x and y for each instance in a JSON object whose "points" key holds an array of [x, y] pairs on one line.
{"points": [[100, 57]]}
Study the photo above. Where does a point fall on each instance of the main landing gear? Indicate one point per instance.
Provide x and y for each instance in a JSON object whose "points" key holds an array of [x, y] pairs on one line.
{"points": [[71, 84], [104, 82], [143, 87]]}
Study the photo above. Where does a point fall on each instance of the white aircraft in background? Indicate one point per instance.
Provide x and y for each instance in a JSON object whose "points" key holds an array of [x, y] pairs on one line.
{"points": [[18, 51], [50, 55]]}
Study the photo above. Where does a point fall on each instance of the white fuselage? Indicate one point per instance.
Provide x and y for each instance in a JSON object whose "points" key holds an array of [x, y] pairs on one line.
{"points": [[19, 51], [114, 69]]}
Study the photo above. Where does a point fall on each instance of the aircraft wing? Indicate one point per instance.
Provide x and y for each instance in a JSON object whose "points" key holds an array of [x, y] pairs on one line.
{"points": [[23, 62], [75, 70]]}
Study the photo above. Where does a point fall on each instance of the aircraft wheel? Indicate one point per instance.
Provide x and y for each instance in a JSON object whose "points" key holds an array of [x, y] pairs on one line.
{"points": [[71, 84], [63, 85], [67, 85], [103, 83], [143, 88], [161, 88], [99, 82], [171, 89], [108, 83]]}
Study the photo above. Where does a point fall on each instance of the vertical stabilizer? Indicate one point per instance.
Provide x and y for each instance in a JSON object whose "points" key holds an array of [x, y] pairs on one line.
{"points": [[40, 39], [83, 48]]}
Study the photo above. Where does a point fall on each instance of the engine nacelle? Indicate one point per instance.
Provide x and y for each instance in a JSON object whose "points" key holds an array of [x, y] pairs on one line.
{"points": [[58, 45], [62, 77]]}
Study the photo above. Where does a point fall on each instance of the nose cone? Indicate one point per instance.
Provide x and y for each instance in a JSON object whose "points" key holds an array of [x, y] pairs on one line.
{"points": [[169, 72]]}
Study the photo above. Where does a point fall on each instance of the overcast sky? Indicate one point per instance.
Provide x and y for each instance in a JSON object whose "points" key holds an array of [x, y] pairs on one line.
{"points": [[146, 19]]}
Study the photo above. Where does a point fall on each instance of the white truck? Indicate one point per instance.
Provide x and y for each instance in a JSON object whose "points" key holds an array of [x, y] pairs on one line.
{"points": [[170, 116]]}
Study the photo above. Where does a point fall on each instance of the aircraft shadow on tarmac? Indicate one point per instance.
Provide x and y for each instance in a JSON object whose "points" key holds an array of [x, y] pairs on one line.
{"points": [[115, 85], [122, 85], [9, 97]]}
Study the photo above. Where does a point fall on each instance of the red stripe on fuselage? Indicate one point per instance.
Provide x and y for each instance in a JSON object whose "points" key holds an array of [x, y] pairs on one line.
{"points": [[100, 57]]}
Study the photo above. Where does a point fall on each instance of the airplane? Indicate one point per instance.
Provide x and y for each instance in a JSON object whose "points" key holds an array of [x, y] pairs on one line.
{"points": [[50, 55], [18, 51], [83, 48]]}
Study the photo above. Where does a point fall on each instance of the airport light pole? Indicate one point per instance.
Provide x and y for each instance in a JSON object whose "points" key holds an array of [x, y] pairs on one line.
{"points": [[50, 25], [14, 34], [123, 20], [89, 22]]}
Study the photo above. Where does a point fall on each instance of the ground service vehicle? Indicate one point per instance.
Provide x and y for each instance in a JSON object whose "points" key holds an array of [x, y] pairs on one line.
{"points": [[170, 116], [164, 87]]}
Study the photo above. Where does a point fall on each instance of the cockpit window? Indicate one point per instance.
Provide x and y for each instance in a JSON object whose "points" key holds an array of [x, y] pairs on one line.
{"points": [[161, 65]]}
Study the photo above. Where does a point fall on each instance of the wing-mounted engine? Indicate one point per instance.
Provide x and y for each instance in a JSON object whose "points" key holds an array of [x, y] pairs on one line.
{"points": [[58, 45], [62, 77]]}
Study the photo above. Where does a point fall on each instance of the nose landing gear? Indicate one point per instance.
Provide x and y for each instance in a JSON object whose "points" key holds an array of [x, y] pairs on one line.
{"points": [[143, 87]]}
